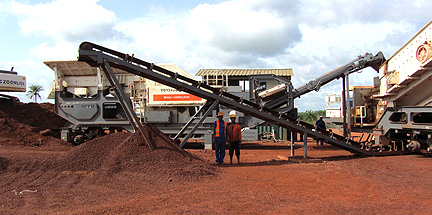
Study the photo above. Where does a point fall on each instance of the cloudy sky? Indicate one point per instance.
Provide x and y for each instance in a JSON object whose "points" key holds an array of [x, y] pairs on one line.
{"points": [[310, 36]]}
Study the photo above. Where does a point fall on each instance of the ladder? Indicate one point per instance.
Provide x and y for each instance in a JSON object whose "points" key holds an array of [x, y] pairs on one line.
{"points": [[138, 102]]}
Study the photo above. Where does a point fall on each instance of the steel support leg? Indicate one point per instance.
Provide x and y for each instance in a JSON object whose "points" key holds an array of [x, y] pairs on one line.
{"points": [[292, 144], [348, 107], [344, 108], [133, 119], [208, 111], [305, 145], [191, 120]]}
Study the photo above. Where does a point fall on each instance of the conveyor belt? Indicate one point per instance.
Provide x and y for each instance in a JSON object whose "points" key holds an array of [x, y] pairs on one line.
{"points": [[97, 56]]}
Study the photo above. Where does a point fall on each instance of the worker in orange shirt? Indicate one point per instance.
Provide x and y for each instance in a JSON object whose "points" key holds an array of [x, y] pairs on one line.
{"points": [[234, 138], [219, 131]]}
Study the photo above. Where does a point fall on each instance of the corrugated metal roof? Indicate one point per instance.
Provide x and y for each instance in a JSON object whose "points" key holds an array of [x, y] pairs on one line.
{"points": [[79, 68], [73, 67], [245, 72]]}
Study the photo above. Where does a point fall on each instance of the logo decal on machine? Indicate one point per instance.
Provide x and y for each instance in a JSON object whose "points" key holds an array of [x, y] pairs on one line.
{"points": [[175, 97]]}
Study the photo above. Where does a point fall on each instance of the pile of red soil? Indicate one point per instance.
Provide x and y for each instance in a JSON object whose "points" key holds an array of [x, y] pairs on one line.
{"points": [[118, 161], [125, 152], [30, 124], [120, 154]]}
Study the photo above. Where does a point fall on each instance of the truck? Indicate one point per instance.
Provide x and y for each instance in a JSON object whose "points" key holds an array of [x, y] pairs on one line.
{"points": [[10, 81]]}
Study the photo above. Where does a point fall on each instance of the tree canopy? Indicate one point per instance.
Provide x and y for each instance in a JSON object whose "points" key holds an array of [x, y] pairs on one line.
{"points": [[33, 92], [311, 116]]}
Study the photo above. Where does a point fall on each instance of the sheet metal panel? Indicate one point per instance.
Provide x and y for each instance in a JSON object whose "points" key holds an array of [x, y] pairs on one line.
{"points": [[12, 83], [168, 96], [245, 72]]}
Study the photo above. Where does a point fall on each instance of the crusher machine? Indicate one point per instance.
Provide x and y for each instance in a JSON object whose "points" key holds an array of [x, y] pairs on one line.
{"points": [[397, 110], [79, 85]]}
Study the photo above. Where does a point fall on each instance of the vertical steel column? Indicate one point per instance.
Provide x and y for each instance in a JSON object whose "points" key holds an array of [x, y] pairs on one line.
{"points": [[57, 78], [226, 77], [99, 79], [305, 145], [348, 127], [58, 87], [292, 144], [133, 119], [344, 125]]}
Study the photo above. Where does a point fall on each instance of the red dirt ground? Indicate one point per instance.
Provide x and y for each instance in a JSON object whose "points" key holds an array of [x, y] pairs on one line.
{"points": [[118, 174], [30, 125]]}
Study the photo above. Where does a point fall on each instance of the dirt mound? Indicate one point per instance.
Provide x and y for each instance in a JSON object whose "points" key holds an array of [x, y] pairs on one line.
{"points": [[102, 160], [119, 161], [127, 152], [30, 124]]}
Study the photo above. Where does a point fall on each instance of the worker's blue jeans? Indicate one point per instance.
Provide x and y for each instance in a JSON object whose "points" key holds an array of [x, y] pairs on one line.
{"points": [[220, 149]]}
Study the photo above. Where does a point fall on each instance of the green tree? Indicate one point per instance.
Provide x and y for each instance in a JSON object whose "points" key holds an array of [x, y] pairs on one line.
{"points": [[310, 116], [34, 91], [320, 113]]}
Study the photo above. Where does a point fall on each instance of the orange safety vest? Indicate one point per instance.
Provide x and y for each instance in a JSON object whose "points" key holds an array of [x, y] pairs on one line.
{"points": [[217, 132], [233, 133]]}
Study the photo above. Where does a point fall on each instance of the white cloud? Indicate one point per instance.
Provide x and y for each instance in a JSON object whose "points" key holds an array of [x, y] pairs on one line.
{"points": [[60, 51], [63, 24], [229, 34], [5, 8], [68, 20], [155, 37], [312, 37], [235, 26], [330, 13], [353, 37], [35, 73]]}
